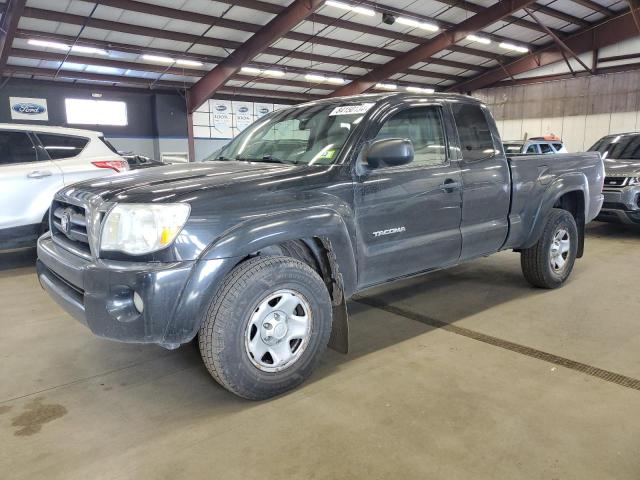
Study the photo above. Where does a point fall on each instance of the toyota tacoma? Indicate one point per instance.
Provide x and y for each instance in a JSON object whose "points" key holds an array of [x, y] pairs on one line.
{"points": [[255, 251]]}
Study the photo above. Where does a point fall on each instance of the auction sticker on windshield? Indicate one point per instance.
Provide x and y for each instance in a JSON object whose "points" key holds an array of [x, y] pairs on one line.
{"points": [[360, 108]]}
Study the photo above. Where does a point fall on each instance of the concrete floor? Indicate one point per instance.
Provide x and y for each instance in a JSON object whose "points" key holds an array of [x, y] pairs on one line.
{"points": [[410, 401]]}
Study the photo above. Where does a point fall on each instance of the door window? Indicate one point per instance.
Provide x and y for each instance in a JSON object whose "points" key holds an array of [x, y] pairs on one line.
{"points": [[16, 147], [557, 146], [546, 148], [473, 129], [423, 126], [532, 149], [62, 146]]}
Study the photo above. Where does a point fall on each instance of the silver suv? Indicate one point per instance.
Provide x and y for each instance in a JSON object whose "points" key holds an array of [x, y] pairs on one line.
{"points": [[621, 155], [36, 162], [534, 146]]}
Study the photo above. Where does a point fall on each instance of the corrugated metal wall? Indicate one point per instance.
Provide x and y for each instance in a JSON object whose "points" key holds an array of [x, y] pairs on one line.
{"points": [[580, 110]]}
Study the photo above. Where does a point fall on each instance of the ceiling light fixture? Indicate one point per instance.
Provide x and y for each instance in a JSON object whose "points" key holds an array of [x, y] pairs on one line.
{"points": [[312, 77], [386, 86], [335, 80], [189, 63], [81, 49], [250, 70], [515, 48], [352, 8], [157, 58], [410, 22], [475, 38], [45, 44], [420, 90], [273, 73]]}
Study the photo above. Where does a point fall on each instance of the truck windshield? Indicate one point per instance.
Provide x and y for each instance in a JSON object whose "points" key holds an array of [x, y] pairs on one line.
{"points": [[308, 134], [618, 147]]}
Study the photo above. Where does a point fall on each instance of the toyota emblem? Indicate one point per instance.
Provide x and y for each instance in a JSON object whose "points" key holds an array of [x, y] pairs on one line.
{"points": [[65, 221]]}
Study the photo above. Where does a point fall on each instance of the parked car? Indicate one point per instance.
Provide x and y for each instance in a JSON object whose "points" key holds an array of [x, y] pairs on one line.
{"points": [[546, 145], [621, 154], [256, 250], [37, 161], [137, 162]]}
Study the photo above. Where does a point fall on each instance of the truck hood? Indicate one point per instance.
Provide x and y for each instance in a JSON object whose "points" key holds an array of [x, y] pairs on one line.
{"points": [[173, 182], [622, 168]]}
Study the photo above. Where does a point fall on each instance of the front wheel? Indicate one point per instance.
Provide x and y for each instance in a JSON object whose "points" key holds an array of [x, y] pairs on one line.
{"points": [[550, 261], [267, 327]]}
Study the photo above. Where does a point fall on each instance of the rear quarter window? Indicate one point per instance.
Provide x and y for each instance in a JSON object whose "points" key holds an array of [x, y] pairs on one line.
{"points": [[62, 146], [476, 140]]}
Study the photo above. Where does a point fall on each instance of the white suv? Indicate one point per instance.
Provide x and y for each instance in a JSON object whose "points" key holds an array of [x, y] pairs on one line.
{"points": [[36, 162], [534, 146]]}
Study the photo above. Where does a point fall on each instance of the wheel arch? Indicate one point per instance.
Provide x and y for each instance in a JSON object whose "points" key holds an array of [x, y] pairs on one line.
{"points": [[569, 192]]}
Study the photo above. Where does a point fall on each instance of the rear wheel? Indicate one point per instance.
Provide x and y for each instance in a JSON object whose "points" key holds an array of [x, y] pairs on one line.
{"points": [[267, 327], [550, 261]]}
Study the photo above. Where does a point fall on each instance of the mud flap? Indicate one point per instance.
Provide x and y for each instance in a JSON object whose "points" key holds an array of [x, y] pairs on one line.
{"points": [[339, 340]]}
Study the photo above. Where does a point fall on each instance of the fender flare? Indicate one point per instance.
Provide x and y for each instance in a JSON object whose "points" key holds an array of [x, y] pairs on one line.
{"points": [[567, 183], [258, 233]]}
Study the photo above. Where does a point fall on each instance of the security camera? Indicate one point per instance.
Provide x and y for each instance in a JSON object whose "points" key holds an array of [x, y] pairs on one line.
{"points": [[388, 18]]}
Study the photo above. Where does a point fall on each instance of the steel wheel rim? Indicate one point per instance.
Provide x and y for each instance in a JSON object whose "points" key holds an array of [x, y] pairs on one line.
{"points": [[278, 330], [559, 250]]}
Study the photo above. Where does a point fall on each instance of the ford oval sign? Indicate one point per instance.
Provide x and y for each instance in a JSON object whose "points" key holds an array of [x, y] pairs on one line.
{"points": [[221, 108], [264, 110], [29, 108], [243, 109]]}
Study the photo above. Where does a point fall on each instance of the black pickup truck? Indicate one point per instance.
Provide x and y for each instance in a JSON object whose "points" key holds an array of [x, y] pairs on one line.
{"points": [[256, 250]]}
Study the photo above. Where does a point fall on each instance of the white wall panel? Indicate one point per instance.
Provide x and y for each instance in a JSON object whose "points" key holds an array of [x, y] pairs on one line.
{"points": [[622, 122], [531, 127], [573, 132], [511, 130], [596, 127]]}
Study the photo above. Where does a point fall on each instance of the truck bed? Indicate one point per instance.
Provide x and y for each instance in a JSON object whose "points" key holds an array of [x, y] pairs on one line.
{"points": [[533, 175]]}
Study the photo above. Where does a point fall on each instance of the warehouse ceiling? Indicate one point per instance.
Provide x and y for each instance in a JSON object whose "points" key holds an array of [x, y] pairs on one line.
{"points": [[300, 50]]}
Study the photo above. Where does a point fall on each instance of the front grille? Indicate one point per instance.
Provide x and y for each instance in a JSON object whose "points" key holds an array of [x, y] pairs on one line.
{"points": [[615, 182], [614, 206], [74, 236]]}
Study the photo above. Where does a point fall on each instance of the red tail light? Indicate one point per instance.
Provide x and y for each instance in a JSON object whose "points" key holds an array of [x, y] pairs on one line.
{"points": [[117, 165]]}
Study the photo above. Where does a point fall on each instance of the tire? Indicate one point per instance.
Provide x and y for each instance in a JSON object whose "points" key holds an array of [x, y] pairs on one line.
{"points": [[550, 261], [246, 318]]}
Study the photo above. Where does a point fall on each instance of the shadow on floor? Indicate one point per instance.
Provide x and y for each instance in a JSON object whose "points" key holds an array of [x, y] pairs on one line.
{"points": [[24, 257]]}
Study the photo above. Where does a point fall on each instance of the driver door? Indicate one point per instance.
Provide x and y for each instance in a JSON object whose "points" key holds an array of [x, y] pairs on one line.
{"points": [[408, 217]]}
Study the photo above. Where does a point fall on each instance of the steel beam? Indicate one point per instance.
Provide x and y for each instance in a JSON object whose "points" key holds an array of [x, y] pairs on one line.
{"points": [[153, 68], [11, 70], [596, 7], [168, 12], [441, 42], [558, 41], [210, 41], [608, 32], [10, 18], [634, 6], [568, 76], [282, 23]]}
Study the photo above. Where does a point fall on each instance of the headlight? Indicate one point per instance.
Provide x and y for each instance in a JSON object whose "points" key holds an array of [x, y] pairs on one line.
{"points": [[634, 181], [137, 229]]}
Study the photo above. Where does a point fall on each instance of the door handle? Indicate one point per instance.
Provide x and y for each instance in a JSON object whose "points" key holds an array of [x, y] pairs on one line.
{"points": [[39, 174], [450, 185]]}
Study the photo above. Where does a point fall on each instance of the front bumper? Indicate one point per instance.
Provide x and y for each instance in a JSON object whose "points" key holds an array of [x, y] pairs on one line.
{"points": [[99, 293], [621, 206]]}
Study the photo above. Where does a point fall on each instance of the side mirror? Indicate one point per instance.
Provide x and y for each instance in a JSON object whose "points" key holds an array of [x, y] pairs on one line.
{"points": [[390, 152]]}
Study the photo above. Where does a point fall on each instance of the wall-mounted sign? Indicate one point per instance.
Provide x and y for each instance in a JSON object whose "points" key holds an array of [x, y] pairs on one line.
{"points": [[242, 116], [221, 119], [28, 108], [262, 109]]}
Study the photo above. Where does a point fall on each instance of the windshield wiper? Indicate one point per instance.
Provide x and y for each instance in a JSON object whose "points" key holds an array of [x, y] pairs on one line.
{"points": [[265, 159]]}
